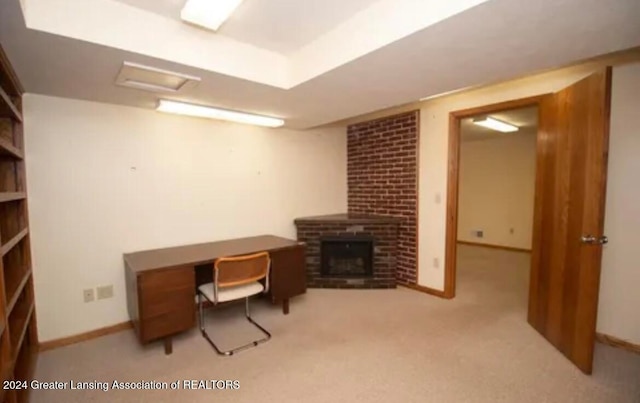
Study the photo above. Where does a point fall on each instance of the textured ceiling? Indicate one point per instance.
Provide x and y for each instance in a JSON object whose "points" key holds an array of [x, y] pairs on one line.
{"points": [[494, 41]]}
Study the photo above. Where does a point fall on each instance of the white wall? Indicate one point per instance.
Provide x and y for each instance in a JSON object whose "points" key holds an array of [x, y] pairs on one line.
{"points": [[619, 298], [619, 295], [106, 179], [496, 190]]}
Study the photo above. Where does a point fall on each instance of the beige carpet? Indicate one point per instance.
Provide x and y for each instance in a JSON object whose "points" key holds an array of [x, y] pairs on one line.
{"points": [[363, 346]]}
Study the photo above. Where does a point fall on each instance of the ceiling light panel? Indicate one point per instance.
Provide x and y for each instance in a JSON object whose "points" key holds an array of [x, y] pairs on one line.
{"points": [[134, 75], [201, 111], [495, 124], [209, 14]]}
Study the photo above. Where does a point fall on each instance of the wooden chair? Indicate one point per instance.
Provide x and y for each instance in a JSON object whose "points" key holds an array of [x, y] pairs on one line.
{"points": [[236, 278]]}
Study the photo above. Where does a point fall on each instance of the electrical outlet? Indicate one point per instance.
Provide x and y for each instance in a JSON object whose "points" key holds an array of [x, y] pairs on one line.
{"points": [[436, 263], [105, 292], [88, 295], [478, 233]]}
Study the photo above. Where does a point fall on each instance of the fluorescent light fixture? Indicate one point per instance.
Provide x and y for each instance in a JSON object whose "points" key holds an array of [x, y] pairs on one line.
{"points": [[182, 108], [496, 124], [208, 13]]}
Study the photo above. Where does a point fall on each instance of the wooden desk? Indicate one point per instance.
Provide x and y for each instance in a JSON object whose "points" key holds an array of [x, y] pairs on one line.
{"points": [[161, 283]]}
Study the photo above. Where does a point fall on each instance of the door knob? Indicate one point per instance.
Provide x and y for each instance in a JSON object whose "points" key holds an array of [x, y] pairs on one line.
{"points": [[592, 240]]}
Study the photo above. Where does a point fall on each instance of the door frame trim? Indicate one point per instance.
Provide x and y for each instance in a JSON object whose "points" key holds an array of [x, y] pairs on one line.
{"points": [[453, 176]]}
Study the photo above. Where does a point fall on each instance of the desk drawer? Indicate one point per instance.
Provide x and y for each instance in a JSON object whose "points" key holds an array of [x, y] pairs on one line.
{"points": [[167, 278], [167, 291], [168, 324], [160, 302]]}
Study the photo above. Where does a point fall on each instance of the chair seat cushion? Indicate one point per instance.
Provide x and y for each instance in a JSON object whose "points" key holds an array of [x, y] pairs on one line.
{"points": [[232, 293]]}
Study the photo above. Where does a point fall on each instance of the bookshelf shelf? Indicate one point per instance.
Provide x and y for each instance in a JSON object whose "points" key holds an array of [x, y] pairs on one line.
{"points": [[12, 196], [7, 247], [7, 108], [15, 289], [23, 313], [9, 150]]}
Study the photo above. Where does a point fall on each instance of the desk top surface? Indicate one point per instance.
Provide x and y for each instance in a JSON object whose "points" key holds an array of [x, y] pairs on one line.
{"points": [[204, 252]]}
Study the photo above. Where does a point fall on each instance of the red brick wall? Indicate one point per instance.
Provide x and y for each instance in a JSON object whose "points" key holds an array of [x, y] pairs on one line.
{"points": [[382, 172]]}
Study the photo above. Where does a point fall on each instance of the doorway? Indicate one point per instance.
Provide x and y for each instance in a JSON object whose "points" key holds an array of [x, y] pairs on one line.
{"points": [[496, 188], [569, 204], [453, 182]]}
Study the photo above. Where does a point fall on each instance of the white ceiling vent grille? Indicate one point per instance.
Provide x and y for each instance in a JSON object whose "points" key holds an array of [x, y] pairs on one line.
{"points": [[147, 78]]}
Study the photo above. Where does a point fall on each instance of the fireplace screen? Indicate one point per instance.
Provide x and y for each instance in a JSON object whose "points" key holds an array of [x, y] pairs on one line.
{"points": [[346, 256]]}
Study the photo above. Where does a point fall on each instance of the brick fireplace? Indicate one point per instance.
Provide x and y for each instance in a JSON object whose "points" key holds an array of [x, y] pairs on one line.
{"points": [[350, 250], [382, 198]]}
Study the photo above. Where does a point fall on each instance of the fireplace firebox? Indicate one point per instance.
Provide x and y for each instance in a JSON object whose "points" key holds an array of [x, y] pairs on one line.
{"points": [[346, 256]]}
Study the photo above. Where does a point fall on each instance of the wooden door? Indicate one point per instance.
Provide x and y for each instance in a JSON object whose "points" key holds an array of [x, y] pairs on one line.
{"points": [[569, 216]]}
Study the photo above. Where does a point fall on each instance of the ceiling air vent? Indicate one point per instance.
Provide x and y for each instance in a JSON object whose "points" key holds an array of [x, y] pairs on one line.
{"points": [[147, 78]]}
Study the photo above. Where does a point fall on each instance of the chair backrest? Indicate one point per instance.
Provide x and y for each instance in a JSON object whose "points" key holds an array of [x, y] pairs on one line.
{"points": [[238, 270]]}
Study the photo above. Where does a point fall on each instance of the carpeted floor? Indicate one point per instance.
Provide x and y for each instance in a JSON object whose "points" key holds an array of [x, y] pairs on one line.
{"points": [[362, 346]]}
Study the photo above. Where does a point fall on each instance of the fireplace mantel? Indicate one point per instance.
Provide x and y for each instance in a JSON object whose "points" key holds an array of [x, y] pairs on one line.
{"points": [[350, 218]]}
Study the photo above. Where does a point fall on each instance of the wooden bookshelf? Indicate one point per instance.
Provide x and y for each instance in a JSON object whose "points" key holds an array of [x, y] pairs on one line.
{"points": [[18, 334]]}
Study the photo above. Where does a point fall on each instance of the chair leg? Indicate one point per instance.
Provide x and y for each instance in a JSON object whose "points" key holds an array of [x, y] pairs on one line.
{"points": [[200, 312], [248, 315], [237, 349]]}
